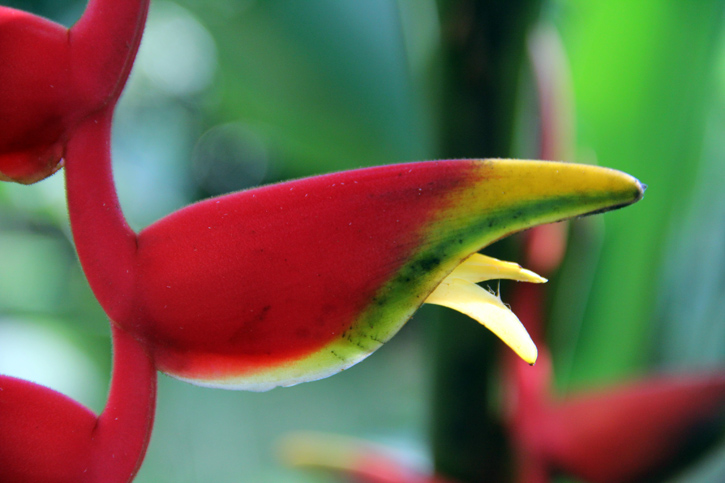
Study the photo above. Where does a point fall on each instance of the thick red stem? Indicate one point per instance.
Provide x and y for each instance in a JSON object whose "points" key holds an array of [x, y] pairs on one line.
{"points": [[105, 243], [104, 43], [48, 437], [124, 428]]}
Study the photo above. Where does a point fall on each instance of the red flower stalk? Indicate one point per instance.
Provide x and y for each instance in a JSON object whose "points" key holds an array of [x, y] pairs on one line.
{"points": [[52, 78], [618, 434], [623, 433]]}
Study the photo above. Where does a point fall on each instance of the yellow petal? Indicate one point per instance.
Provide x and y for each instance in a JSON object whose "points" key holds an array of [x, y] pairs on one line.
{"points": [[320, 450], [478, 268], [488, 309]]}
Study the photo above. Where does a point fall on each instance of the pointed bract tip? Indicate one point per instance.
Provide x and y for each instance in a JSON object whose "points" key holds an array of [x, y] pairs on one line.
{"points": [[642, 187]]}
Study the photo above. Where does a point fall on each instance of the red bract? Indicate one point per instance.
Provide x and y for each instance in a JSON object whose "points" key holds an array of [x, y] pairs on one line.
{"points": [[45, 436], [624, 433], [51, 78], [617, 434], [646, 424], [297, 281]]}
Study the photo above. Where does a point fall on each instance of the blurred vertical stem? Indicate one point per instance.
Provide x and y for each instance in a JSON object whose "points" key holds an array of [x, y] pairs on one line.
{"points": [[484, 48]]}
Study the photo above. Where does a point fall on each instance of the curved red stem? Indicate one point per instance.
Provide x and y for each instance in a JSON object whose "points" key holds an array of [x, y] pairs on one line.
{"points": [[105, 243], [104, 42], [47, 437], [124, 427]]}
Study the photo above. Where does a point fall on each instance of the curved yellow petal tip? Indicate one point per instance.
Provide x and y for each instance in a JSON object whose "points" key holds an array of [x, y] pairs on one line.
{"points": [[479, 268], [459, 292], [320, 450], [488, 309]]}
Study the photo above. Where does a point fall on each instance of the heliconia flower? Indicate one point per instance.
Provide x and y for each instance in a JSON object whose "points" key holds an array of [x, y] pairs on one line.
{"points": [[297, 281], [51, 78], [646, 423], [47, 437], [358, 460], [622, 433], [300, 280], [267, 287], [628, 432]]}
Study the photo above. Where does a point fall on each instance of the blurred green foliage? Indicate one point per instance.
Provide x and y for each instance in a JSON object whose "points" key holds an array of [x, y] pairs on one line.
{"points": [[228, 94]]}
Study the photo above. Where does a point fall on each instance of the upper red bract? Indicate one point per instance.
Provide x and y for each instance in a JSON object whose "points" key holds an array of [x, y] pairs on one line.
{"points": [[36, 95], [277, 272]]}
